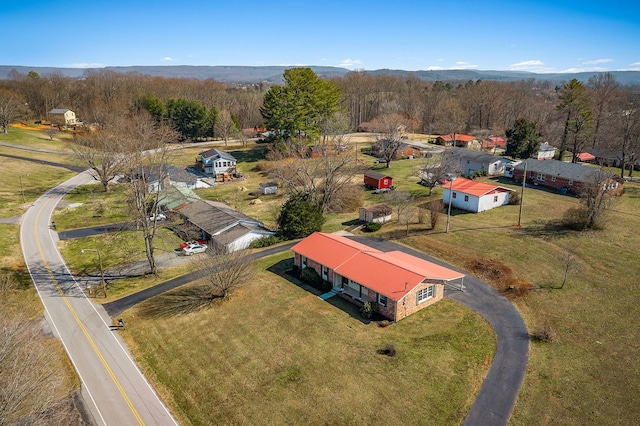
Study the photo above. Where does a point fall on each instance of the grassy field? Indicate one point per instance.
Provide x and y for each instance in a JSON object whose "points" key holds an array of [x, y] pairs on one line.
{"points": [[276, 354], [587, 375]]}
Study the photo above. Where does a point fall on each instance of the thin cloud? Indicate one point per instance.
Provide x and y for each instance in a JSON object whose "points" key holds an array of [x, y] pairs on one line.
{"points": [[168, 59], [349, 63], [464, 66], [597, 62], [460, 65], [87, 65], [527, 64]]}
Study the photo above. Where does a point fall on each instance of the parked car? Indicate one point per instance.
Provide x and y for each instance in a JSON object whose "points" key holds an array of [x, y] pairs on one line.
{"points": [[159, 216], [194, 248]]}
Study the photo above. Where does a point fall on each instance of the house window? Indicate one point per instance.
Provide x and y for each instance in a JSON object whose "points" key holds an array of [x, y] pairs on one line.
{"points": [[553, 178], [495, 198], [303, 262], [454, 195], [425, 294], [540, 177], [382, 300], [325, 272], [570, 182], [385, 181], [466, 198]]}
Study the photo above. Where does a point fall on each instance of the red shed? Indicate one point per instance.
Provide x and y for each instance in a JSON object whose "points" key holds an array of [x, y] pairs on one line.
{"points": [[375, 180]]}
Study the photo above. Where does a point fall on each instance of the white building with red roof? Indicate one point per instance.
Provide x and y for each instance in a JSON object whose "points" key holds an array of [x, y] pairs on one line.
{"points": [[397, 283], [473, 196]]}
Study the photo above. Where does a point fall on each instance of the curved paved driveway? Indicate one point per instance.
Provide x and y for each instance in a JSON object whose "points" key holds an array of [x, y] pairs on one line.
{"points": [[499, 391], [113, 387]]}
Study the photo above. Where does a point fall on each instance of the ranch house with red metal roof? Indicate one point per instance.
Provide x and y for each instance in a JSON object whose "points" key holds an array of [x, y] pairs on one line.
{"points": [[397, 284], [466, 194]]}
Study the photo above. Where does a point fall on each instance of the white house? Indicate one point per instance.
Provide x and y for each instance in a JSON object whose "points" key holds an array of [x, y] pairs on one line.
{"points": [[216, 162], [469, 195], [545, 152], [510, 167], [467, 161], [222, 227], [62, 117]]}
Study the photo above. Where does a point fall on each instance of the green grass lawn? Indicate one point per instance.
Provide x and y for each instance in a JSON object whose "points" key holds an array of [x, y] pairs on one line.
{"points": [[587, 375], [276, 354], [89, 205]]}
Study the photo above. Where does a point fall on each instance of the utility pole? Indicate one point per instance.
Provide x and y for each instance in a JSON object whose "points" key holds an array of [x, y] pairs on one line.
{"points": [[22, 191], [524, 181], [449, 208], [104, 284]]}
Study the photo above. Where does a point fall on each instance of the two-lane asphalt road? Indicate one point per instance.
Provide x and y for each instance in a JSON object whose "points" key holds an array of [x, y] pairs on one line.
{"points": [[113, 387]]}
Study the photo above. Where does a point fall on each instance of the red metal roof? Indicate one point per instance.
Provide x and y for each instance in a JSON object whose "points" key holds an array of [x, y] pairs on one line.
{"points": [[328, 249], [585, 156], [472, 187], [392, 274], [459, 137]]}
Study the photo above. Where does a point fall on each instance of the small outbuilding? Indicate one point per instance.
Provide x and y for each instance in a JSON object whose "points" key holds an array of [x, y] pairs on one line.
{"points": [[375, 180], [377, 213], [268, 188]]}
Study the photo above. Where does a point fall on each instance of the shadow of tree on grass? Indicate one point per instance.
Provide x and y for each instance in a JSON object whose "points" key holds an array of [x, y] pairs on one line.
{"points": [[545, 229], [181, 301]]}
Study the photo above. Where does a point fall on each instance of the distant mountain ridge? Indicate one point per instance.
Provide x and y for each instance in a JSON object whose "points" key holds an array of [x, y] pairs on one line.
{"points": [[273, 74]]}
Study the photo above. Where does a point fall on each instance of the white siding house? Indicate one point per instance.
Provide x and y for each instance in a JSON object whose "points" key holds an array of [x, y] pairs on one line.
{"points": [[545, 152], [216, 162], [469, 195], [468, 162], [62, 117]]}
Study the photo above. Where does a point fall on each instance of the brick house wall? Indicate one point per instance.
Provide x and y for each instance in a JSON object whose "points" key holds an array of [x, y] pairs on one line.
{"points": [[395, 310], [553, 182], [406, 151], [297, 260], [407, 305]]}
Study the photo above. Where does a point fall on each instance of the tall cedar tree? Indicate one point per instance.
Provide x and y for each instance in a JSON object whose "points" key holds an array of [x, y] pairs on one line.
{"points": [[302, 105], [574, 102], [299, 217], [523, 139], [190, 118]]}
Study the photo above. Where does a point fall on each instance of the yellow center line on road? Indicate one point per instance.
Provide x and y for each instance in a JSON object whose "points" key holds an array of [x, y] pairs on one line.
{"points": [[81, 325]]}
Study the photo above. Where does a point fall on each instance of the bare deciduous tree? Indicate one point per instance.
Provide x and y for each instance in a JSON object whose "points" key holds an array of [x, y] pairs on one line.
{"points": [[390, 128], [569, 267], [30, 377], [436, 169], [12, 107], [147, 159], [595, 200], [101, 152], [223, 272], [224, 126], [322, 178]]}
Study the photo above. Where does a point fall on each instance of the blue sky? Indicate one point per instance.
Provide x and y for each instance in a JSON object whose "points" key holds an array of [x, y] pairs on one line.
{"points": [[537, 36]]}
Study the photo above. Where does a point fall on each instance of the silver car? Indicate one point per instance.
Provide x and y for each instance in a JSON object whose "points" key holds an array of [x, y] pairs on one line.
{"points": [[194, 248]]}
